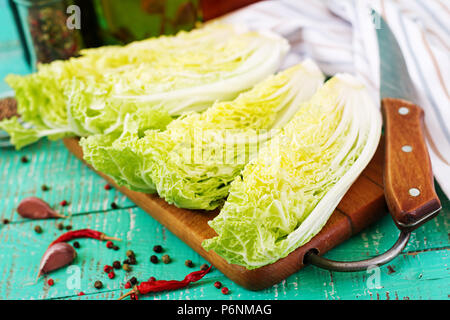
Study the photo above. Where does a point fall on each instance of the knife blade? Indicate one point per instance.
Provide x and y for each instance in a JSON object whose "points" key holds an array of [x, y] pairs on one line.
{"points": [[408, 176]]}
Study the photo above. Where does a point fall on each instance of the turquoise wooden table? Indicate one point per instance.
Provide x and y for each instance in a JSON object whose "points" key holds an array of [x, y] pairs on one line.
{"points": [[420, 272]]}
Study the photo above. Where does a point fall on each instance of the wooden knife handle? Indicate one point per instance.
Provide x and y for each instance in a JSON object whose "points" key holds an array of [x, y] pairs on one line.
{"points": [[408, 177]]}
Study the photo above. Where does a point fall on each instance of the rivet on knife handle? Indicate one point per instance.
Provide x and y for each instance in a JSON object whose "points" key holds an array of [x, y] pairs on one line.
{"points": [[408, 177]]}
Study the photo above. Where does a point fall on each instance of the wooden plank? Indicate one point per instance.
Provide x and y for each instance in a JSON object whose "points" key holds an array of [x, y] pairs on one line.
{"points": [[362, 206]]}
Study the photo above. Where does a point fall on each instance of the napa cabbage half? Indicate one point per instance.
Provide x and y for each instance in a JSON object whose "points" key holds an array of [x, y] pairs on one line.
{"points": [[286, 195], [94, 93], [192, 163]]}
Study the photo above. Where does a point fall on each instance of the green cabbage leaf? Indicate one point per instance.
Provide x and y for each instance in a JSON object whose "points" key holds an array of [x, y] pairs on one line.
{"points": [[192, 163], [287, 193], [94, 93]]}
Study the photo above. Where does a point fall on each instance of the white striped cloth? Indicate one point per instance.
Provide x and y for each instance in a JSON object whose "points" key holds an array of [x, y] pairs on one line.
{"points": [[340, 36]]}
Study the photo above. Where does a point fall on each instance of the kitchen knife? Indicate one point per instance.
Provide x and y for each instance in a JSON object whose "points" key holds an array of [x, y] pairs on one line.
{"points": [[408, 177]]}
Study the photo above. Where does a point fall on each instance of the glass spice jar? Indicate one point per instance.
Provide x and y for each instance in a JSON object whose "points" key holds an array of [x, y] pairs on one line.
{"points": [[48, 33]]}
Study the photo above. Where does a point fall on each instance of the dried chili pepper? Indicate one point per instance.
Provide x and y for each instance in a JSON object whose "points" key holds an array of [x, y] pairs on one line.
{"points": [[83, 233], [162, 285]]}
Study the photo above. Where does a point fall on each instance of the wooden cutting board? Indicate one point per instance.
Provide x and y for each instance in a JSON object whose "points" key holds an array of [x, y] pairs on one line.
{"points": [[362, 205]]}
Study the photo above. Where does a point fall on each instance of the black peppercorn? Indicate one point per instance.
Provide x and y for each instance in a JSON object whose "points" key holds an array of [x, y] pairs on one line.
{"points": [[133, 280], [5, 221], [115, 248], [38, 229], [69, 227], [114, 205], [76, 244], [98, 284], [126, 261], [132, 260], [157, 249], [188, 263], [44, 188], [60, 226], [130, 253], [154, 259], [24, 159], [166, 258], [116, 264], [204, 267]]}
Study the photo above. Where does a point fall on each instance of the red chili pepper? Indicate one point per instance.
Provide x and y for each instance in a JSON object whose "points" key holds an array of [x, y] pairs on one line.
{"points": [[161, 285], [82, 233]]}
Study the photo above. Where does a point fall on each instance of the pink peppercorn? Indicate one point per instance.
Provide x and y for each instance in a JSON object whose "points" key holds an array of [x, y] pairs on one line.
{"points": [[111, 275], [109, 244], [152, 279], [127, 285], [81, 293], [107, 268], [225, 290], [50, 282], [107, 186], [217, 284], [63, 203]]}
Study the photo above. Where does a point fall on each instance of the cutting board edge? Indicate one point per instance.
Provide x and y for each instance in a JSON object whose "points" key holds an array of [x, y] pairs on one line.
{"points": [[338, 229]]}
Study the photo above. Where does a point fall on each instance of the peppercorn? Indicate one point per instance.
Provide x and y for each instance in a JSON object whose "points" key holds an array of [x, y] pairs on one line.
{"points": [[115, 248], [225, 290], [111, 275], [107, 268], [63, 203], [76, 244], [107, 186], [130, 253], [204, 267], [114, 205], [98, 284], [133, 280], [5, 221], [109, 244], [188, 263], [217, 284], [60, 226], [69, 227], [50, 282], [126, 267], [116, 264], [44, 188], [132, 260], [81, 293], [154, 259], [152, 279], [38, 229], [157, 249], [24, 159], [127, 285], [166, 258], [126, 261]]}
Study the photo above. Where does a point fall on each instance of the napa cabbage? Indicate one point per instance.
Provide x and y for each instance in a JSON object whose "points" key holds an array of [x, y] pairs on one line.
{"points": [[192, 163], [287, 193], [94, 93]]}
